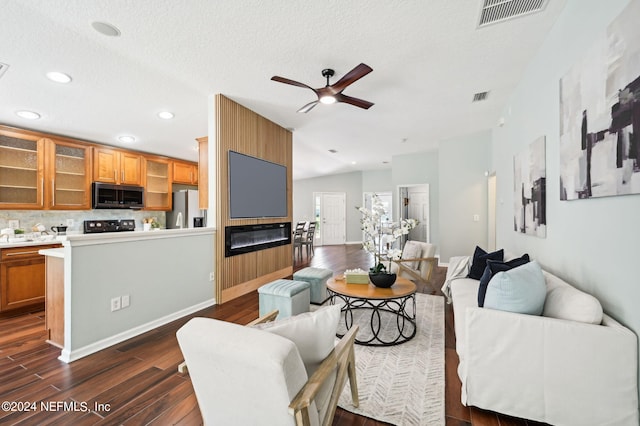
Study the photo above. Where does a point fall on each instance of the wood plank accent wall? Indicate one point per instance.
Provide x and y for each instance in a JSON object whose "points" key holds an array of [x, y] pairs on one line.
{"points": [[242, 130]]}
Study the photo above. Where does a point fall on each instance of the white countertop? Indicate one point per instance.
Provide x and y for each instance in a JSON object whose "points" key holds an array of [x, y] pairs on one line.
{"points": [[4, 244], [128, 236], [54, 252]]}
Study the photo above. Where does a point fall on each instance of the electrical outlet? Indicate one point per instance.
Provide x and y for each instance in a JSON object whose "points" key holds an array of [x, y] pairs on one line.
{"points": [[115, 304], [211, 277], [14, 223], [476, 218], [70, 223], [125, 301]]}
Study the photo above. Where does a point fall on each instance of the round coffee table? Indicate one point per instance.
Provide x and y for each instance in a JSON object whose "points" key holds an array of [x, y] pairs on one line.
{"points": [[396, 304]]}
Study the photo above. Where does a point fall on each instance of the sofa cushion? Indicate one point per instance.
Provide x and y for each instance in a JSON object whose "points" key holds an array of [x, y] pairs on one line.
{"points": [[566, 302], [313, 333], [521, 289], [479, 262], [493, 267]]}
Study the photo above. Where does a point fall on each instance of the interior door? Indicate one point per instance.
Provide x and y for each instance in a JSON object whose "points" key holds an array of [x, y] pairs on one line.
{"points": [[333, 216], [414, 204]]}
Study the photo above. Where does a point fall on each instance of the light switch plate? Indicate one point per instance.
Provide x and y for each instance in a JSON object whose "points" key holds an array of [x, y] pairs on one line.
{"points": [[14, 223]]}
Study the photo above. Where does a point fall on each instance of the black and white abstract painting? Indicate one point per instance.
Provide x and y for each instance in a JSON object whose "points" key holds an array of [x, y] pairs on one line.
{"points": [[529, 190], [600, 115]]}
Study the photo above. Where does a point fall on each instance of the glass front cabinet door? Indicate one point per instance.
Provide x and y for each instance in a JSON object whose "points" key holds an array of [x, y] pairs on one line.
{"points": [[21, 170], [68, 176]]}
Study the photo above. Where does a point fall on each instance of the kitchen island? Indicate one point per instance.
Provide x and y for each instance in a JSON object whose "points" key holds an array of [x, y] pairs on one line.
{"points": [[114, 286]]}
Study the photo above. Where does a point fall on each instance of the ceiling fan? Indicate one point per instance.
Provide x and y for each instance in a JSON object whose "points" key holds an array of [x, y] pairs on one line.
{"points": [[330, 94]]}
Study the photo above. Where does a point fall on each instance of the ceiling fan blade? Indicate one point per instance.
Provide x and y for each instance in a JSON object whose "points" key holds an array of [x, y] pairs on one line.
{"points": [[353, 101], [291, 82], [351, 77], [308, 107]]}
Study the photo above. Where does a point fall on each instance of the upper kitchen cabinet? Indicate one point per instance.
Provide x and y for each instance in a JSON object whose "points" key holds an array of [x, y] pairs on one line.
{"points": [[21, 169], [186, 173], [68, 176], [118, 167], [157, 187]]}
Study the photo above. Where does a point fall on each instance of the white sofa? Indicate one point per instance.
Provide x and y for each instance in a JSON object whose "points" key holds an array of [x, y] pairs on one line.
{"points": [[546, 368]]}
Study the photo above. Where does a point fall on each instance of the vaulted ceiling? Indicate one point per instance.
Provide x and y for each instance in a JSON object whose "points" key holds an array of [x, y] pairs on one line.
{"points": [[429, 58]]}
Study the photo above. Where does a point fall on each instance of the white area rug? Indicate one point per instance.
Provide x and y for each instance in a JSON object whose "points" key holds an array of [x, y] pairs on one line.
{"points": [[404, 384]]}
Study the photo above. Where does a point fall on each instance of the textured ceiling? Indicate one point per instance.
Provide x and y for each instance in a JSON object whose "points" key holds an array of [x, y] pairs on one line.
{"points": [[428, 57]]}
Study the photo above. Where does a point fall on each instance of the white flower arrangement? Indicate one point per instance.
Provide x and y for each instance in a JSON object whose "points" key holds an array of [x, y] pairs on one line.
{"points": [[373, 228]]}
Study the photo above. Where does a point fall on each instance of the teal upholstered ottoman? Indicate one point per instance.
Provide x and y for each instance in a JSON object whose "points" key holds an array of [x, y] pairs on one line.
{"points": [[288, 297], [317, 277]]}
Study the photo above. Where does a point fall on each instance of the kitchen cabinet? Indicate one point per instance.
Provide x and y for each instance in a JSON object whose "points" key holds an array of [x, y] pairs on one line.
{"points": [[157, 186], [184, 172], [68, 176], [21, 169], [22, 277], [117, 166]]}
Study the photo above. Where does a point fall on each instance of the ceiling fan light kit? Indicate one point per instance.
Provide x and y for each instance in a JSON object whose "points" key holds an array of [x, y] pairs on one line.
{"points": [[332, 93]]}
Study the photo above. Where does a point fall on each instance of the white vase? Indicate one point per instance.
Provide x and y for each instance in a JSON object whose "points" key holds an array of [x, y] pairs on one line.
{"points": [[146, 226]]}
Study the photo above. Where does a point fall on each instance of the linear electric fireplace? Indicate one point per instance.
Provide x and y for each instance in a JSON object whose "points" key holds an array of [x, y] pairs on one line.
{"points": [[248, 238]]}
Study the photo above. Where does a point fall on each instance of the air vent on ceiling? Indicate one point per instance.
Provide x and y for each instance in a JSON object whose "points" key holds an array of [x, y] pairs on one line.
{"points": [[333, 151], [3, 68], [500, 10], [480, 96]]}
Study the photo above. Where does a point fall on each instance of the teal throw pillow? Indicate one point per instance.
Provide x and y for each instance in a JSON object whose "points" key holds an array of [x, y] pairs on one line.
{"points": [[493, 267], [521, 290]]}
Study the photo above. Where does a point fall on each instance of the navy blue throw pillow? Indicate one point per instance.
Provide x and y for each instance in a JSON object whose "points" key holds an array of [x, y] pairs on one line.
{"points": [[492, 268], [480, 258]]}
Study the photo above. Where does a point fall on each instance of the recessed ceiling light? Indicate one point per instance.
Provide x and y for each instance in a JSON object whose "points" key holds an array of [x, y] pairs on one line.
{"points": [[58, 77], [126, 139], [29, 115], [106, 29], [165, 115], [353, 162]]}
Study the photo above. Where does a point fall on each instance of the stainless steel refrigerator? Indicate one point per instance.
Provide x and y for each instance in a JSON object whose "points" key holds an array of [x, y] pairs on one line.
{"points": [[185, 209]]}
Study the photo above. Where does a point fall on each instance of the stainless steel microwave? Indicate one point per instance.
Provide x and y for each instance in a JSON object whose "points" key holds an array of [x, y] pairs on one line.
{"points": [[108, 196]]}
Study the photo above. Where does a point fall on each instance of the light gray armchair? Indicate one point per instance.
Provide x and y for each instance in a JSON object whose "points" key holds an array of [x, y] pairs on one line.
{"points": [[417, 262], [248, 376]]}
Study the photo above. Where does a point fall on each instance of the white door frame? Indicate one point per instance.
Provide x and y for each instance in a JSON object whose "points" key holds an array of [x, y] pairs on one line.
{"points": [[491, 211]]}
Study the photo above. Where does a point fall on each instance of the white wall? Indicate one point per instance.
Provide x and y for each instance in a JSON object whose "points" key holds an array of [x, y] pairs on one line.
{"points": [[377, 181], [591, 243], [463, 188]]}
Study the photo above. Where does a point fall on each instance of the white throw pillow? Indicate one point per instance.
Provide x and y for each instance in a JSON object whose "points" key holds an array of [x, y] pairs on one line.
{"points": [[313, 333], [521, 289], [412, 250], [569, 303]]}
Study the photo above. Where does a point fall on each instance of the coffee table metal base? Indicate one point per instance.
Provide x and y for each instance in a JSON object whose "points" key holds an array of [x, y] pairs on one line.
{"points": [[403, 308]]}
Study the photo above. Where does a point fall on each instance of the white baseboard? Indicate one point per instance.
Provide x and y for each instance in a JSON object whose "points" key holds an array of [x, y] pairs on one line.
{"points": [[72, 355]]}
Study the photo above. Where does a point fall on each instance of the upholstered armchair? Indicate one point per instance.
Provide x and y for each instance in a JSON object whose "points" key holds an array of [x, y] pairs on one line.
{"points": [[284, 373], [417, 262]]}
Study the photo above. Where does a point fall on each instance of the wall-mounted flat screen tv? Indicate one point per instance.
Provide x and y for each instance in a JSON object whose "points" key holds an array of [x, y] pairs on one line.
{"points": [[257, 188]]}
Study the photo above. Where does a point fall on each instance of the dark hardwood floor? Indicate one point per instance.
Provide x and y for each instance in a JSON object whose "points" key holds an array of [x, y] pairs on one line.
{"points": [[136, 382]]}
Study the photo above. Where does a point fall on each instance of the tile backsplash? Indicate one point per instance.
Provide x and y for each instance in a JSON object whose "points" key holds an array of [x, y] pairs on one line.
{"points": [[49, 218]]}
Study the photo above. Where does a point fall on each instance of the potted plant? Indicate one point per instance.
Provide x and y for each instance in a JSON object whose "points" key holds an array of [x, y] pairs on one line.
{"points": [[379, 238]]}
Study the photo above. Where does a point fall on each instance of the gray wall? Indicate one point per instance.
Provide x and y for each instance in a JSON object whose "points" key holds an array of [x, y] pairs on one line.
{"points": [[463, 188], [377, 181], [349, 183], [415, 169], [590, 243]]}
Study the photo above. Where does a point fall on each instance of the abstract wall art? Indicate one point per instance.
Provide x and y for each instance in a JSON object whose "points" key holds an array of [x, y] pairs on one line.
{"points": [[600, 115], [529, 190]]}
